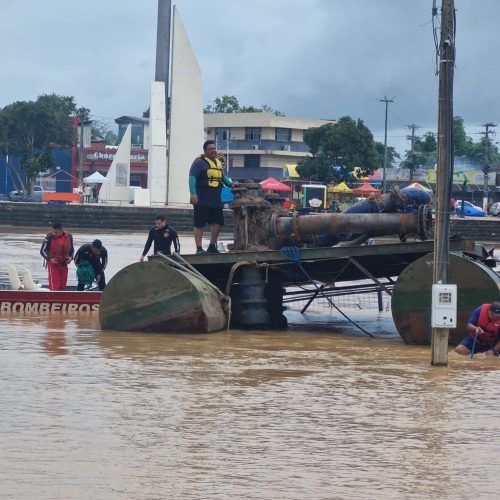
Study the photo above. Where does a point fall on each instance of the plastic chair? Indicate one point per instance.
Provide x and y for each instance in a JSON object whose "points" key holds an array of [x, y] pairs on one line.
{"points": [[14, 281], [29, 284]]}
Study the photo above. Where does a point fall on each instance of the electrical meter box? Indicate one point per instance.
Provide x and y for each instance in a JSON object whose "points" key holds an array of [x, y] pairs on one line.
{"points": [[444, 306], [314, 196]]}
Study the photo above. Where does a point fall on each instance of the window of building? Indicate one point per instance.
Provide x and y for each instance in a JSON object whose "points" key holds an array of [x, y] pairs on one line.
{"points": [[283, 134], [252, 134], [251, 161], [222, 134], [137, 133]]}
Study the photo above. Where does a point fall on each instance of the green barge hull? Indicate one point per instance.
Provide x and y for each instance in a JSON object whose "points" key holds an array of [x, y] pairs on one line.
{"points": [[155, 297]]}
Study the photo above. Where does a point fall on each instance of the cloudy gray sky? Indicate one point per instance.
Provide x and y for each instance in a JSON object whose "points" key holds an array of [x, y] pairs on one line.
{"points": [[308, 58]]}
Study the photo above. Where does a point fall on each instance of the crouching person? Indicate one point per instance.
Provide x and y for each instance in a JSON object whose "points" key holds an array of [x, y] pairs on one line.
{"points": [[483, 331], [91, 259]]}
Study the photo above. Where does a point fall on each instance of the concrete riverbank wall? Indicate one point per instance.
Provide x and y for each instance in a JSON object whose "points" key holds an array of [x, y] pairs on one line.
{"points": [[97, 216]]}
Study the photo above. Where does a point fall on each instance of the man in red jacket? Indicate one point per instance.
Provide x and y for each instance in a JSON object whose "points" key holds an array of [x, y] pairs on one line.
{"points": [[57, 250], [483, 331]]}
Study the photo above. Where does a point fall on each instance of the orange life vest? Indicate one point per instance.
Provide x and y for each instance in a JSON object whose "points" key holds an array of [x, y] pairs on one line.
{"points": [[491, 329]]}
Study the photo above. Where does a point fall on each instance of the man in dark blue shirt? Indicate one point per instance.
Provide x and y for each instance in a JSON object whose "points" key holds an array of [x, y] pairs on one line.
{"points": [[162, 235], [206, 179]]}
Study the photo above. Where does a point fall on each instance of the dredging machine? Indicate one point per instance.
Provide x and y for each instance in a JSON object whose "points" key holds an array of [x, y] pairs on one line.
{"points": [[274, 251]]}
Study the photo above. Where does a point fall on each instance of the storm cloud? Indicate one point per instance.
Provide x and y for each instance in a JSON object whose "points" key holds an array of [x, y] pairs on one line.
{"points": [[307, 58]]}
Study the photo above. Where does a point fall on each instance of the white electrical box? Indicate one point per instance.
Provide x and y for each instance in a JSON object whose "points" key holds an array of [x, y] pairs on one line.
{"points": [[444, 306]]}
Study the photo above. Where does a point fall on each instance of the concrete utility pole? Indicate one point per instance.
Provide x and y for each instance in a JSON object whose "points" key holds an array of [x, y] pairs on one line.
{"points": [[412, 138], [81, 150], [387, 101], [444, 174], [487, 165]]}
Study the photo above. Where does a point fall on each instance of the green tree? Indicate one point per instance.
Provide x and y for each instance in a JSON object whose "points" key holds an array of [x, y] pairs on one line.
{"points": [[482, 153], [347, 143], [485, 154], [30, 129], [423, 155], [101, 132], [83, 114], [262, 109], [224, 104], [476, 153], [230, 104], [392, 155], [462, 144]]}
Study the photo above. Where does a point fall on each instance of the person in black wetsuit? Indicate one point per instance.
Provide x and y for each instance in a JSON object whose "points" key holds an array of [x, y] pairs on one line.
{"points": [[162, 235], [97, 256]]}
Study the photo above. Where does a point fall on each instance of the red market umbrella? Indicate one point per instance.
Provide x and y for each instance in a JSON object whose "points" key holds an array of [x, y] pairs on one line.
{"points": [[274, 185], [417, 185], [365, 189]]}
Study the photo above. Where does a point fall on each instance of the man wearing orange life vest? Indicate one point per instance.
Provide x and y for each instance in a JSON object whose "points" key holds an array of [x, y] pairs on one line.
{"points": [[483, 331], [206, 179], [57, 250]]}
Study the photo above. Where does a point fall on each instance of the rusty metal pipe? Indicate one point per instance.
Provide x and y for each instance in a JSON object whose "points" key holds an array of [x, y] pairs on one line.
{"points": [[372, 224]]}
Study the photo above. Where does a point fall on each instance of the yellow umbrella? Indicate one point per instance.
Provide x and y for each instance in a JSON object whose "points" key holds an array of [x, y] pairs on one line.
{"points": [[340, 188]]}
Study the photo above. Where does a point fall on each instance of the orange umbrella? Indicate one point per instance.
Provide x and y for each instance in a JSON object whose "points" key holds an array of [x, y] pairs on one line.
{"points": [[366, 188], [274, 185]]}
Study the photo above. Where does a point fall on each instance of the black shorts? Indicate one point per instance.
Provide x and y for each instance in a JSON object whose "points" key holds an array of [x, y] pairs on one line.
{"points": [[207, 215]]}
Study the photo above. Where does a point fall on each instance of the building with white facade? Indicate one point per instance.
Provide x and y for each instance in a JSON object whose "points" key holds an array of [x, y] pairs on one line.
{"points": [[259, 145], [255, 145]]}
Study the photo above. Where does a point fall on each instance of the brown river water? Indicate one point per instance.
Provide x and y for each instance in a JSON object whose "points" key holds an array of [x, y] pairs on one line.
{"points": [[320, 411]]}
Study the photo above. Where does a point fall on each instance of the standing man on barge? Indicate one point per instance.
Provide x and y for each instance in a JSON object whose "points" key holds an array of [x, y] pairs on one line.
{"points": [[206, 179], [162, 235]]}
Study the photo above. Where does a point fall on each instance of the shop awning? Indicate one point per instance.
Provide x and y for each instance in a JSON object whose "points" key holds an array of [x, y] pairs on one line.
{"points": [[340, 188], [417, 185], [274, 185], [366, 189], [290, 171]]}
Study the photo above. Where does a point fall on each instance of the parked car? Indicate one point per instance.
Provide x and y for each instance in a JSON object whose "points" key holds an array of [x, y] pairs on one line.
{"points": [[495, 209], [20, 195], [470, 210]]}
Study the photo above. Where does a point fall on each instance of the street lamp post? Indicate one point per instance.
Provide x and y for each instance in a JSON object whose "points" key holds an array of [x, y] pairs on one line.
{"points": [[227, 153]]}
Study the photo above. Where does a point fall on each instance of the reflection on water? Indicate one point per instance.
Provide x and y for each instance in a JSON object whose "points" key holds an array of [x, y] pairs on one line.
{"points": [[320, 411]]}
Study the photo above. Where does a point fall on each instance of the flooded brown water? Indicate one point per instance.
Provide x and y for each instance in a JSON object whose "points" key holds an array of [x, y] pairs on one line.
{"points": [[320, 411]]}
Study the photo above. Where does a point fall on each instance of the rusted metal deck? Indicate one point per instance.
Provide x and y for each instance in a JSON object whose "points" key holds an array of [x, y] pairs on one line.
{"points": [[328, 265]]}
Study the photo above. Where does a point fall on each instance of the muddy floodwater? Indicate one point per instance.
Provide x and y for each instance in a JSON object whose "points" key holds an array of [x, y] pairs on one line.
{"points": [[320, 411]]}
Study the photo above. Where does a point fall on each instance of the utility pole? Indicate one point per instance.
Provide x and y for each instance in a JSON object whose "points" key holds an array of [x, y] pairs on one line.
{"points": [[80, 166], [444, 173], [6, 172], [387, 101], [486, 166], [412, 138]]}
